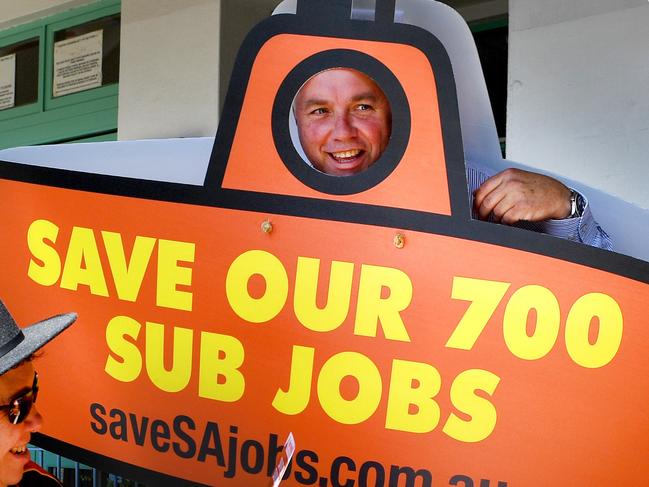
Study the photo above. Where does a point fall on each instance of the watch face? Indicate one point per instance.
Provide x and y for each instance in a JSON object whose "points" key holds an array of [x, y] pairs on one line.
{"points": [[579, 204], [576, 204]]}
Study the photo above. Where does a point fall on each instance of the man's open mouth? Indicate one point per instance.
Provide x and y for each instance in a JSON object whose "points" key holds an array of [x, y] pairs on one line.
{"points": [[19, 450], [347, 155]]}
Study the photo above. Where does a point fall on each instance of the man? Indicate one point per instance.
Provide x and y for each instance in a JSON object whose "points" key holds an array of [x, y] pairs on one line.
{"points": [[344, 121], [18, 392], [344, 124]]}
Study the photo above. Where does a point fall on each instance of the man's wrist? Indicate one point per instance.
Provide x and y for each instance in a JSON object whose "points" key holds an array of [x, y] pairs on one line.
{"points": [[576, 204]]}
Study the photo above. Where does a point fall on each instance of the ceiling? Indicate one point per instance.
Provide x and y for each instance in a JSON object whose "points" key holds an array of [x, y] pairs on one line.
{"points": [[473, 10]]}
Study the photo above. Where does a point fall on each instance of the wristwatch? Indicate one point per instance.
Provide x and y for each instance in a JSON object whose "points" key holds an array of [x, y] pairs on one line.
{"points": [[576, 204]]}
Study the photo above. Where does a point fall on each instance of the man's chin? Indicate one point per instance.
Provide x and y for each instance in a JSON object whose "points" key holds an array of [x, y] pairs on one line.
{"points": [[12, 470], [345, 168]]}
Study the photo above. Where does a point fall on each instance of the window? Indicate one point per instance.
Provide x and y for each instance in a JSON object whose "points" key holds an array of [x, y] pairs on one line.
{"points": [[491, 38], [59, 77], [19, 72]]}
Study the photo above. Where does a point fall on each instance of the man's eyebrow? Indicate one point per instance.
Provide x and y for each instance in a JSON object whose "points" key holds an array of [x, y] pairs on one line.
{"points": [[369, 95], [314, 101], [14, 396], [21, 392]]}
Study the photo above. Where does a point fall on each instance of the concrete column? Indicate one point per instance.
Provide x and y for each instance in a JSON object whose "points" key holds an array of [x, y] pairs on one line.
{"points": [[579, 91], [169, 69]]}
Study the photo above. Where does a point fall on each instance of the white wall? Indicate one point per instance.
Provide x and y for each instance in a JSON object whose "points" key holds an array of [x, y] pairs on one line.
{"points": [[16, 12], [579, 91], [169, 68]]}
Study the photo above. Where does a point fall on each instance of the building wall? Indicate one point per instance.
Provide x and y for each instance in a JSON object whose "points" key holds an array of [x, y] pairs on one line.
{"points": [[169, 69], [13, 12], [578, 77], [578, 95]]}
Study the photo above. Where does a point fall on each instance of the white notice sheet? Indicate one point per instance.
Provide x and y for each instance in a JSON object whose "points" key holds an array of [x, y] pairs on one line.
{"points": [[7, 81], [77, 63]]}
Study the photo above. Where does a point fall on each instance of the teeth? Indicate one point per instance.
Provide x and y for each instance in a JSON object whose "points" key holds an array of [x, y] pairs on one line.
{"points": [[19, 449], [346, 154]]}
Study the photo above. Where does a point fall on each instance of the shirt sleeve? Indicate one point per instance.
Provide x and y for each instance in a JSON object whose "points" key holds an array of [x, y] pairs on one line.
{"points": [[583, 229], [35, 476]]}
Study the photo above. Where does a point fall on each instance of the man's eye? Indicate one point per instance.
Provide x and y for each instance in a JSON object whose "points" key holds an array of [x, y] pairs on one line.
{"points": [[14, 409], [319, 111], [364, 107]]}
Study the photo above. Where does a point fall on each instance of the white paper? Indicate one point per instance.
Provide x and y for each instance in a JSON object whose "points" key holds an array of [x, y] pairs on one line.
{"points": [[284, 460], [77, 63], [7, 81]]}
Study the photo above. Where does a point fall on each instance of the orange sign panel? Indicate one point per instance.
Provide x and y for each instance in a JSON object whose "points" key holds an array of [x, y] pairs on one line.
{"points": [[393, 339]]}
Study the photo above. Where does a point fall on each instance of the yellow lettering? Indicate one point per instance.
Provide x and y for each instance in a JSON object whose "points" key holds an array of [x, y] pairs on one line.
{"points": [[485, 297], [306, 287], [220, 378], [546, 329], [372, 307], [361, 407], [266, 307], [483, 414], [177, 378], [128, 365], [82, 263], [171, 275], [413, 384], [128, 277], [296, 399], [48, 273], [609, 337]]}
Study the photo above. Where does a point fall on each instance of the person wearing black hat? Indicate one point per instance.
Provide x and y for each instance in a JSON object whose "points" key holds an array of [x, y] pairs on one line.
{"points": [[18, 392]]}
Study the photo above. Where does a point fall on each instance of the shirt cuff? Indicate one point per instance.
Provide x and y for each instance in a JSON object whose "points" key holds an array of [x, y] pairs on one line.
{"points": [[582, 229]]}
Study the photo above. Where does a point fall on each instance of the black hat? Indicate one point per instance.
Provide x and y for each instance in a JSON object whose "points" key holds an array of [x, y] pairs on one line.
{"points": [[17, 344]]}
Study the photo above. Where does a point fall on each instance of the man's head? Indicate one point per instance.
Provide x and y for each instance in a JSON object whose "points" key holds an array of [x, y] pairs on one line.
{"points": [[17, 392], [344, 121], [19, 387]]}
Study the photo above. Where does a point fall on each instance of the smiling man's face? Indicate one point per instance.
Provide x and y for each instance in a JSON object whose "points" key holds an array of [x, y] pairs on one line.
{"points": [[14, 437], [344, 121]]}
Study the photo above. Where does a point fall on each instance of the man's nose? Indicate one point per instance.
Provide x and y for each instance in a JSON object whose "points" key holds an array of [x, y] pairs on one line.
{"points": [[343, 127], [34, 420]]}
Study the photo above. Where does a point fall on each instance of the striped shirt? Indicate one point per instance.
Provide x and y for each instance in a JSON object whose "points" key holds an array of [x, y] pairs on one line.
{"points": [[583, 229]]}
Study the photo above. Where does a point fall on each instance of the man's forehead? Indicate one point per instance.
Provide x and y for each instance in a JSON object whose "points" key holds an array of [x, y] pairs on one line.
{"points": [[368, 96], [331, 80]]}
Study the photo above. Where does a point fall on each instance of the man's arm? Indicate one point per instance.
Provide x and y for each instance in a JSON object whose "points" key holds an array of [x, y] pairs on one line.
{"points": [[534, 202], [514, 195]]}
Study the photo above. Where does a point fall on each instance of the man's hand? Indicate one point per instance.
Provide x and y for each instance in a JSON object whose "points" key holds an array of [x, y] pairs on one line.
{"points": [[514, 195]]}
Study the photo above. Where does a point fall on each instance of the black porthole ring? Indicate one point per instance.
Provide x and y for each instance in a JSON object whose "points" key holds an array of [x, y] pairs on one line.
{"points": [[393, 153]]}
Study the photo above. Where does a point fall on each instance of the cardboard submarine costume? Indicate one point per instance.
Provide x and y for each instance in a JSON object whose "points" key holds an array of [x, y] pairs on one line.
{"points": [[400, 342]]}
